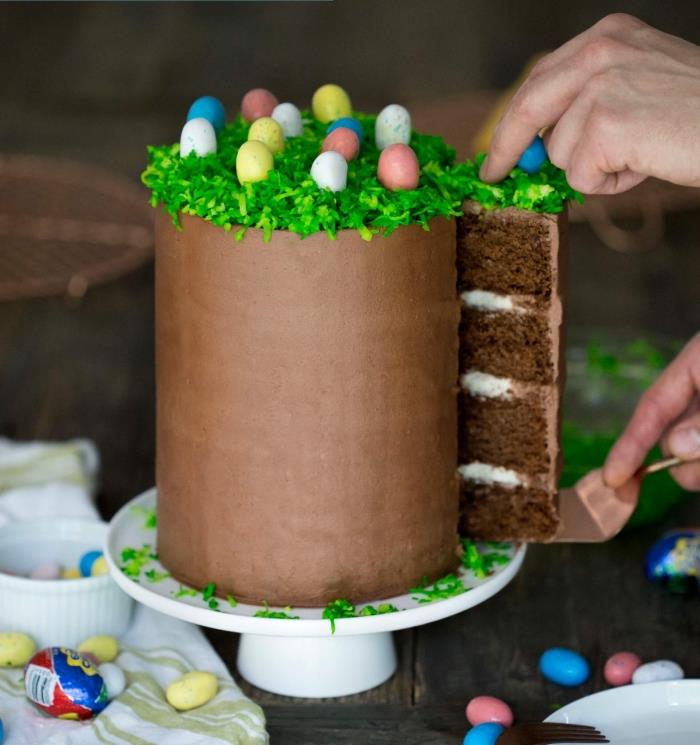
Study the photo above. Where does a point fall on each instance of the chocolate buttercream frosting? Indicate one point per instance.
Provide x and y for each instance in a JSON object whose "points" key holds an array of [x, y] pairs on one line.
{"points": [[306, 411]]}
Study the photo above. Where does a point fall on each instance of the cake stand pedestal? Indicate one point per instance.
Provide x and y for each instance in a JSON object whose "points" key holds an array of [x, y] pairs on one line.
{"points": [[300, 657]]}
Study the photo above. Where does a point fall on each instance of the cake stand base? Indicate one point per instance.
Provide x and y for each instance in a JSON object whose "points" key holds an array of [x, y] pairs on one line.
{"points": [[317, 667]]}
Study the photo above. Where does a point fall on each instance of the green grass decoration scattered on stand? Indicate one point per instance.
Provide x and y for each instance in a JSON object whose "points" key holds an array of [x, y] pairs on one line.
{"points": [[448, 586], [267, 613], [135, 559], [482, 563], [290, 200]]}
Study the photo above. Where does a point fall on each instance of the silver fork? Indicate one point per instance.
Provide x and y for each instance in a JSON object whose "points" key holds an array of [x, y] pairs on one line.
{"points": [[548, 733]]}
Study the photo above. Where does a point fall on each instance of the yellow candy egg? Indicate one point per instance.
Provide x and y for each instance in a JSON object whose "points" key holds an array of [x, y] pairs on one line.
{"points": [[330, 102], [253, 161], [99, 566], [192, 690], [269, 132], [71, 573], [15, 649], [104, 648]]}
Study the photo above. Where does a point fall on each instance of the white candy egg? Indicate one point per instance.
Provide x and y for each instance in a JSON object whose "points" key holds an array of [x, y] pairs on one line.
{"points": [[653, 672], [114, 679], [288, 116], [330, 170], [393, 126], [198, 136]]}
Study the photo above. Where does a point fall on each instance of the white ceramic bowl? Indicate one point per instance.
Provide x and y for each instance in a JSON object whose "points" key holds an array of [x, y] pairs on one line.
{"points": [[57, 612]]}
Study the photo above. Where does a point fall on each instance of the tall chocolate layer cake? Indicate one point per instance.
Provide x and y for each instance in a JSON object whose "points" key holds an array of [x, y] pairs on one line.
{"points": [[511, 371]]}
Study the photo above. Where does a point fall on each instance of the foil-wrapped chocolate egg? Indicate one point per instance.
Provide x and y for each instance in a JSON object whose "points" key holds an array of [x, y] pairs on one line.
{"points": [[674, 561]]}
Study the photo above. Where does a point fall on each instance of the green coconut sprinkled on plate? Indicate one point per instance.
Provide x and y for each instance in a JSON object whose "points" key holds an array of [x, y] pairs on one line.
{"points": [[285, 614]]}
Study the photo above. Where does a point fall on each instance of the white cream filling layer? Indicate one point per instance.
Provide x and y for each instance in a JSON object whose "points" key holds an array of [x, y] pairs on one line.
{"points": [[489, 474], [483, 384], [487, 300]]}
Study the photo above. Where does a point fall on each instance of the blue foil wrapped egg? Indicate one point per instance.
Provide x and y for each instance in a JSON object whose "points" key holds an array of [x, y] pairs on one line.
{"points": [[564, 667], [533, 158], [674, 561], [210, 108], [349, 122], [484, 734]]}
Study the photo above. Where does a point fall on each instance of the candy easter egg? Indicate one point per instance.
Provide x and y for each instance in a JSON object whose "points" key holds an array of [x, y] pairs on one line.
{"points": [[484, 734], [652, 672], [330, 171], [114, 679], [564, 666], [398, 168], [269, 132], [198, 137], [210, 108], [253, 161], [71, 573], [350, 123], [674, 561], [105, 648], [46, 570], [100, 567], [256, 103], [192, 690], [393, 126], [87, 560], [620, 667], [343, 141], [533, 158], [288, 116], [489, 709], [15, 649], [330, 102]]}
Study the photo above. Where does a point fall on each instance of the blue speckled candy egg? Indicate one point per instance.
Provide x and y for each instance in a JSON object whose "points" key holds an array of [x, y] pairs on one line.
{"points": [[350, 123], [484, 734], [674, 561], [210, 108], [564, 667], [532, 159], [86, 562]]}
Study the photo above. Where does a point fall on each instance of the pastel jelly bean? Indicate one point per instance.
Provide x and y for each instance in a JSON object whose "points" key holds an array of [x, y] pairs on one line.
{"points": [[198, 137], [343, 141], [46, 570], [484, 734], [288, 116], [620, 667], [104, 648], [269, 132], [534, 157], [114, 678], [87, 560], [564, 667], [653, 672], [349, 122], [210, 108], [15, 649], [489, 709], [330, 102], [253, 162], [398, 168], [330, 171], [192, 690], [256, 103]]}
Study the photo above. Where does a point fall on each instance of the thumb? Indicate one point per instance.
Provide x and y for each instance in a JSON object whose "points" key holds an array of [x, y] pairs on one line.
{"points": [[683, 440]]}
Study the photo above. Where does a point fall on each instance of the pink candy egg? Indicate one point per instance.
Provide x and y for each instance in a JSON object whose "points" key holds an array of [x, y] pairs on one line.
{"points": [[256, 103], [620, 668], [344, 141], [398, 167], [46, 570], [489, 709]]}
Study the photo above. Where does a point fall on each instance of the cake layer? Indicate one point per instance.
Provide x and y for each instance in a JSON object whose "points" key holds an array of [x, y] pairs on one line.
{"points": [[306, 411]]}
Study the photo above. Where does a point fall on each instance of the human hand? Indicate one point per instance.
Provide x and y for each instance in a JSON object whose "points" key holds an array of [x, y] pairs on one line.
{"points": [[669, 413], [621, 101]]}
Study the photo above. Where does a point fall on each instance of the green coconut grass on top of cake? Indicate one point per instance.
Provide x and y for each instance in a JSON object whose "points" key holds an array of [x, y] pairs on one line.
{"points": [[289, 199]]}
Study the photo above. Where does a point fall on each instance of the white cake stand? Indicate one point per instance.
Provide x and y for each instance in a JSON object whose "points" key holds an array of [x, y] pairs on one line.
{"points": [[294, 657]]}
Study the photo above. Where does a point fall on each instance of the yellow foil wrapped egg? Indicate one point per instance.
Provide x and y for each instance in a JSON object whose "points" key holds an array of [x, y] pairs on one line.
{"points": [[330, 102], [269, 132], [253, 161]]}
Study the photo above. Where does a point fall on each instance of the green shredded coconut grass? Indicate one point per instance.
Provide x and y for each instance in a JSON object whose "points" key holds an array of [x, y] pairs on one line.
{"points": [[380, 610], [186, 592], [282, 614], [290, 200], [135, 559], [338, 609], [482, 564], [149, 516], [154, 576], [448, 586], [232, 601]]}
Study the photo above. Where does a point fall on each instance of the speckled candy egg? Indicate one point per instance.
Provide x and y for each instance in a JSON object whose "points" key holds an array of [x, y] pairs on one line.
{"points": [[533, 158], [15, 649], [269, 132], [104, 648], [256, 103], [620, 667], [330, 102], [343, 141], [484, 734], [349, 122], [62, 683], [398, 168], [674, 561], [253, 161], [210, 108], [393, 126], [330, 171], [114, 679], [46, 570], [489, 709], [653, 672], [564, 667], [198, 136], [288, 116], [87, 560], [192, 690]]}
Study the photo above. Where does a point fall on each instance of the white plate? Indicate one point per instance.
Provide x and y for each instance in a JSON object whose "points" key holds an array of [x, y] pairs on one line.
{"points": [[665, 713], [127, 529]]}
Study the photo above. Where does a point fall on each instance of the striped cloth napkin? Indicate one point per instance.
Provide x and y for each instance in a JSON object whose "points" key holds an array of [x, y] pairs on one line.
{"points": [[41, 480]]}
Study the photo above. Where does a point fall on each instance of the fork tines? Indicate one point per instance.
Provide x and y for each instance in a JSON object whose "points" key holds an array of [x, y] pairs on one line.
{"points": [[546, 733]]}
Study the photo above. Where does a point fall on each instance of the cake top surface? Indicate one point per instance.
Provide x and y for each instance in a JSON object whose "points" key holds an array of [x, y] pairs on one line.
{"points": [[213, 183]]}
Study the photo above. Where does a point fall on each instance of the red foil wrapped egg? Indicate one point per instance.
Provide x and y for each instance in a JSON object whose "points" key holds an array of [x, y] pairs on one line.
{"points": [[344, 141], [398, 167]]}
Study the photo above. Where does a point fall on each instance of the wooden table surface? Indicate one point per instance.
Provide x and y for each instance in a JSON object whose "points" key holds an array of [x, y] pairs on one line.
{"points": [[86, 369]]}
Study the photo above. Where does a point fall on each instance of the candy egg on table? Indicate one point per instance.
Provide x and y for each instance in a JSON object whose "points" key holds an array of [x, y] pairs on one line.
{"points": [[533, 158], [343, 141], [484, 734], [198, 137], [393, 125], [256, 103], [104, 648], [210, 108], [330, 171], [398, 168], [564, 667], [674, 561], [46, 570], [620, 667], [489, 709], [62, 683], [114, 679], [349, 122], [269, 132], [653, 672], [288, 116], [193, 689], [330, 102], [87, 560], [253, 161], [15, 649]]}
